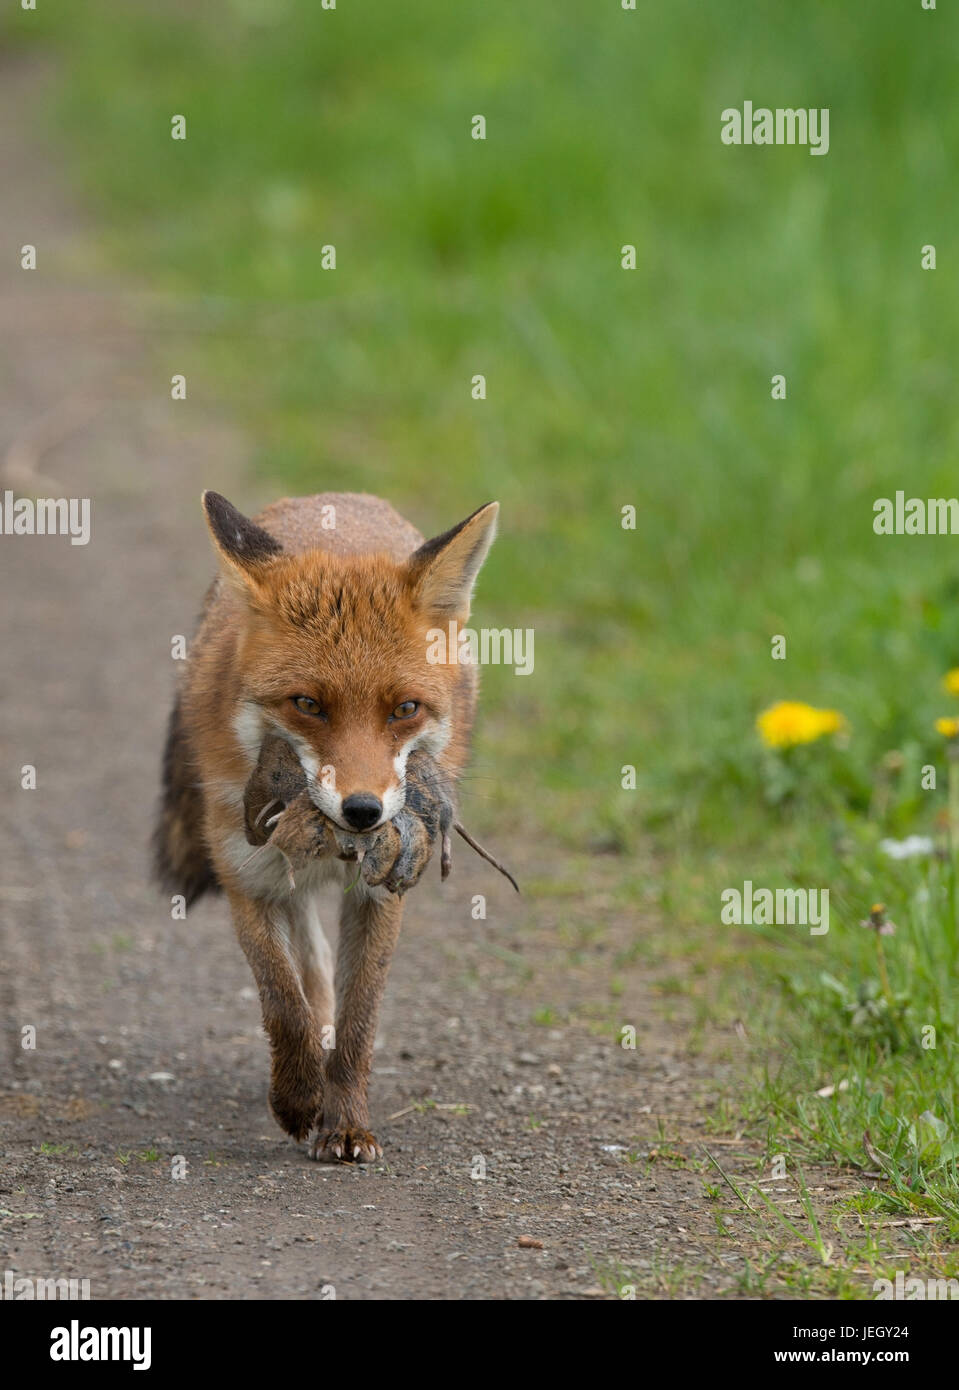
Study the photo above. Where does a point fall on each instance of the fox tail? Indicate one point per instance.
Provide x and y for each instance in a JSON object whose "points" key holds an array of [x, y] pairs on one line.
{"points": [[181, 861]]}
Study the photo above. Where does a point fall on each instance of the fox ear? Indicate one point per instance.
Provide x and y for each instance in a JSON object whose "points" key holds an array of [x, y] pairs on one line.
{"points": [[444, 570], [243, 547]]}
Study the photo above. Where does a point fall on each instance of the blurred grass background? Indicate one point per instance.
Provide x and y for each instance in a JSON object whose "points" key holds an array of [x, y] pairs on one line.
{"points": [[606, 387]]}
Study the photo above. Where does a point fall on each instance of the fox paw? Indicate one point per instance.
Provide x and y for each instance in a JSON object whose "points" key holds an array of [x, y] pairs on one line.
{"points": [[345, 1145], [295, 1109]]}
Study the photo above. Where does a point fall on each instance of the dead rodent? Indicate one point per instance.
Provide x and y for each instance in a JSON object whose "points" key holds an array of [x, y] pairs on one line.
{"points": [[278, 810], [277, 781]]}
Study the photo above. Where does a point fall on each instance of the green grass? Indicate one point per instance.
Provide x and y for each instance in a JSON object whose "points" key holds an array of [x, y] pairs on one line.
{"points": [[608, 388]]}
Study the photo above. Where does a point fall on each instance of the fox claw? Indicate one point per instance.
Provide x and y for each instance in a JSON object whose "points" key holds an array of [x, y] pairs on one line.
{"points": [[345, 1146]]}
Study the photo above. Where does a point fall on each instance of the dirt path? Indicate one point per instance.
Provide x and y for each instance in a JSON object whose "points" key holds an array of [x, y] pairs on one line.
{"points": [[120, 995]]}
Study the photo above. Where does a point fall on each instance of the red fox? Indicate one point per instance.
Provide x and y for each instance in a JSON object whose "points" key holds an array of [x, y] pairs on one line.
{"points": [[316, 633]]}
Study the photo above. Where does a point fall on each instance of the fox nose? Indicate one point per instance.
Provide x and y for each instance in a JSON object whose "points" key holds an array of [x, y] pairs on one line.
{"points": [[362, 810]]}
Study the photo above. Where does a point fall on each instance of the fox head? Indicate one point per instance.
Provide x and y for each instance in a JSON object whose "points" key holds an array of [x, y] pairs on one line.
{"points": [[334, 654]]}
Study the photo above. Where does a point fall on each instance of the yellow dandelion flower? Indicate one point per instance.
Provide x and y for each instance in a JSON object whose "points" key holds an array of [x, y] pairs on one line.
{"points": [[790, 722], [950, 681], [949, 728], [830, 721]]}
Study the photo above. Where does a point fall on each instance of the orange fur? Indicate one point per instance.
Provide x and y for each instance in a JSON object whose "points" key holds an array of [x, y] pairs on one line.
{"points": [[340, 616]]}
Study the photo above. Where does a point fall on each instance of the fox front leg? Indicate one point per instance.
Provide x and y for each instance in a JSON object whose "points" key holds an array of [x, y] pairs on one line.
{"points": [[369, 929], [297, 1006]]}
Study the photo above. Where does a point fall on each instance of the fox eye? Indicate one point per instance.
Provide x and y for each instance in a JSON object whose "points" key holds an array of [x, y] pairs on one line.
{"points": [[406, 710], [306, 705]]}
